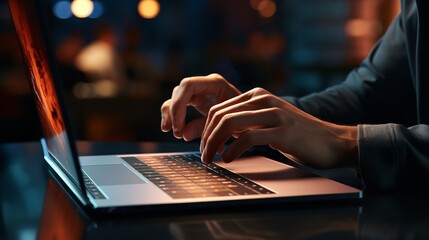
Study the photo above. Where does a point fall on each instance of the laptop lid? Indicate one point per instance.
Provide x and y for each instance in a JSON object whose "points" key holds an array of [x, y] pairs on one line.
{"points": [[58, 144]]}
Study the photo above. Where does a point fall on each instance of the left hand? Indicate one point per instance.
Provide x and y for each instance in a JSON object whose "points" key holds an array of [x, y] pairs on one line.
{"points": [[257, 117]]}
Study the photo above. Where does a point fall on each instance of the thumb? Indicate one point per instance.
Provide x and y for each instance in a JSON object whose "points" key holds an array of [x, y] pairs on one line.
{"points": [[194, 129]]}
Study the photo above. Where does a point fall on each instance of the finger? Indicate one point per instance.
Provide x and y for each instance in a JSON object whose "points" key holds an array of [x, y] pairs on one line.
{"points": [[193, 129], [177, 132], [165, 116], [217, 112], [258, 102], [234, 101], [203, 102], [181, 98], [247, 140], [236, 122]]}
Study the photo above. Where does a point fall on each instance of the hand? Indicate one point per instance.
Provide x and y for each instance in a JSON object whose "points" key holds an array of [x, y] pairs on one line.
{"points": [[259, 118], [201, 93]]}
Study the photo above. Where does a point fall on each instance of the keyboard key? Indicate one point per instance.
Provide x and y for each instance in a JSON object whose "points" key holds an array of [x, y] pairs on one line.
{"points": [[185, 176], [92, 188]]}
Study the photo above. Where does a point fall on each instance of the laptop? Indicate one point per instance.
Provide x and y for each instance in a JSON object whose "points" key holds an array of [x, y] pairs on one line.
{"points": [[116, 183]]}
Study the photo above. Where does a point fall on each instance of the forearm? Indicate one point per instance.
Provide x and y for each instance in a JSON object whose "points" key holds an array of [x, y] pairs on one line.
{"points": [[339, 104]]}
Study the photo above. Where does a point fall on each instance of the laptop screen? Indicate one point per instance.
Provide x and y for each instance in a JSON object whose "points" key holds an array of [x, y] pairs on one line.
{"points": [[30, 34]]}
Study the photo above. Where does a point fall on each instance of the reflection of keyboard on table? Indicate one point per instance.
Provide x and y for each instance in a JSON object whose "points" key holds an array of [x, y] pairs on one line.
{"points": [[185, 176]]}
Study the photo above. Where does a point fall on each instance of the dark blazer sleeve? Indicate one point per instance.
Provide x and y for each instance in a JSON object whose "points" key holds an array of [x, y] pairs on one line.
{"points": [[379, 90], [394, 158], [380, 96]]}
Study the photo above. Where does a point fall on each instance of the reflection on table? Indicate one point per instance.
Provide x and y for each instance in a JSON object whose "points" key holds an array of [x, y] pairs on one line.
{"points": [[61, 219], [33, 205]]}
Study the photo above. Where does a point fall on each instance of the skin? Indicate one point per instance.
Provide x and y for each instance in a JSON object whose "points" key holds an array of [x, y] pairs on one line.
{"points": [[256, 117]]}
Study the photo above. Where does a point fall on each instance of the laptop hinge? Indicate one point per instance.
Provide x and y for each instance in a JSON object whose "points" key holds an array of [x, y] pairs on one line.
{"points": [[64, 177]]}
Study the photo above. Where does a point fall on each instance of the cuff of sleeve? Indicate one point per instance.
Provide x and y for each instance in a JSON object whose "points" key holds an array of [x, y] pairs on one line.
{"points": [[377, 156]]}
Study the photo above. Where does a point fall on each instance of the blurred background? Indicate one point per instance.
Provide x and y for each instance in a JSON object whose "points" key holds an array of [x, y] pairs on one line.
{"points": [[120, 60]]}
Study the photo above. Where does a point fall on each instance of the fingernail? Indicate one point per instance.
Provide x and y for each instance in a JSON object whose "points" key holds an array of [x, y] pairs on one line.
{"points": [[192, 135], [162, 124], [178, 134], [201, 146], [203, 157]]}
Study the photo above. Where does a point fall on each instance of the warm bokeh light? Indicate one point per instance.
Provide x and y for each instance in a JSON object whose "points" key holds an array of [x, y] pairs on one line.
{"points": [[148, 8], [255, 4], [267, 8], [82, 8], [362, 27]]}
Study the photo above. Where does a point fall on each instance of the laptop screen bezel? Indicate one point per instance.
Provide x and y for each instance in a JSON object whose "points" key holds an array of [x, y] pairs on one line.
{"points": [[36, 7]]}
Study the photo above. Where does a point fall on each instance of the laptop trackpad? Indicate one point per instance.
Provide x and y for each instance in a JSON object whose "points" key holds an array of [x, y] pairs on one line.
{"points": [[112, 174]]}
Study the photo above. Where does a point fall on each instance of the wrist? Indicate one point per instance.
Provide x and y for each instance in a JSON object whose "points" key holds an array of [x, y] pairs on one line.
{"points": [[349, 156]]}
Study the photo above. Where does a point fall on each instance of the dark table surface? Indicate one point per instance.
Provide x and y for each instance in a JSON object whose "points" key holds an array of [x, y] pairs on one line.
{"points": [[34, 206]]}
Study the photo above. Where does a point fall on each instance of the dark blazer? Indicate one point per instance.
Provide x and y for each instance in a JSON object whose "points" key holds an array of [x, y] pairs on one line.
{"points": [[387, 96]]}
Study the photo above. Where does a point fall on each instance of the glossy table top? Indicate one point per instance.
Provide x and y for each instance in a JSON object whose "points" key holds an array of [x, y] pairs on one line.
{"points": [[34, 206]]}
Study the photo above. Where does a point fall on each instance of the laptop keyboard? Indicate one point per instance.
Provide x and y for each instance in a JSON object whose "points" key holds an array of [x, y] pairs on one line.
{"points": [[92, 188], [185, 176]]}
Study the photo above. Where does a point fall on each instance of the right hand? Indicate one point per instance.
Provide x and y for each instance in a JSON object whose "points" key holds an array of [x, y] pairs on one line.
{"points": [[199, 92]]}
